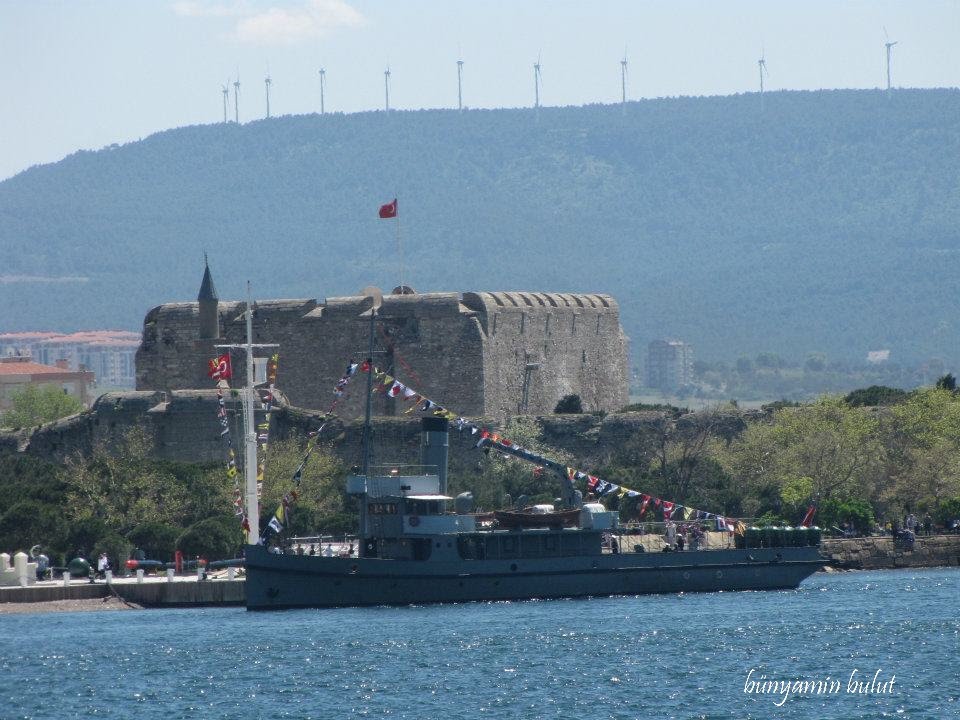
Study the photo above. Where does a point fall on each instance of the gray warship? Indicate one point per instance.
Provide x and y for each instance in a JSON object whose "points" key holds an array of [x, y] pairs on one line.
{"points": [[414, 548]]}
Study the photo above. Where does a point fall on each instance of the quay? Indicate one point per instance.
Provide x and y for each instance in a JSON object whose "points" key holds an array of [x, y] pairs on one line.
{"points": [[151, 591]]}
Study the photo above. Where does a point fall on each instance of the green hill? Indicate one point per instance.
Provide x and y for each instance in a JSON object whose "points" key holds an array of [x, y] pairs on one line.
{"points": [[829, 223]]}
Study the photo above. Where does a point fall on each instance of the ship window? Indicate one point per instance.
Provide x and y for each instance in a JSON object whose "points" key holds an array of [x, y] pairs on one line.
{"points": [[382, 508], [508, 546], [550, 543]]}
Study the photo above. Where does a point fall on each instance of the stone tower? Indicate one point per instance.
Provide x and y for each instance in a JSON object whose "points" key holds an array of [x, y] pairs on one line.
{"points": [[208, 306]]}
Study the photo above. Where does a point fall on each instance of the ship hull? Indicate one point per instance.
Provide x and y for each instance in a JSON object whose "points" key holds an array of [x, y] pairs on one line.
{"points": [[296, 581]]}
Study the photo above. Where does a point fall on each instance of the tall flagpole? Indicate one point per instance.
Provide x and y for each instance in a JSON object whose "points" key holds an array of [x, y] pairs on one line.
{"points": [[399, 245]]}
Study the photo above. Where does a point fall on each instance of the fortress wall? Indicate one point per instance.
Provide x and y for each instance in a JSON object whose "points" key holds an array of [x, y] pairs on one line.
{"points": [[171, 355], [542, 346], [110, 418], [182, 425], [429, 341], [470, 354]]}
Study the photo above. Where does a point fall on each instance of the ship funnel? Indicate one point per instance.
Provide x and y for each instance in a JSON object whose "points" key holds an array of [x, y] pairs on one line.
{"points": [[434, 445]]}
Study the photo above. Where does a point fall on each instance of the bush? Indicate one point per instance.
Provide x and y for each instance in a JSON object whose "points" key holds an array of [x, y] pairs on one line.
{"points": [[569, 405], [83, 537], [117, 549], [672, 410], [216, 538], [832, 513], [157, 540], [28, 523], [876, 395], [948, 510], [770, 519]]}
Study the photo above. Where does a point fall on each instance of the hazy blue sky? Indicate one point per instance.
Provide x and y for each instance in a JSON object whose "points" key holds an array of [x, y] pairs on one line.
{"points": [[84, 74]]}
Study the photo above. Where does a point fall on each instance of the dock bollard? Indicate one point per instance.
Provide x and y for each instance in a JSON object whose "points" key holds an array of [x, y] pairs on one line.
{"points": [[199, 572], [170, 572], [108, 576], [231, 573], [66, 579], [139, 576]]}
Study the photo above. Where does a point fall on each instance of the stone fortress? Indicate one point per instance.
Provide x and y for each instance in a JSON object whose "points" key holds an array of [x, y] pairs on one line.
{"points": [[491, 354]]}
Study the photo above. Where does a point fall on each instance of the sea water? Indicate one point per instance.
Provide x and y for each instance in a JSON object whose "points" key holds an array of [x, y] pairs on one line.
{"points": [[868, 645]]}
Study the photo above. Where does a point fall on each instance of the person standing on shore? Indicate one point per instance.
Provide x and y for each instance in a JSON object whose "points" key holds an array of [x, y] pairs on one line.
{"points": [[103, 564]]}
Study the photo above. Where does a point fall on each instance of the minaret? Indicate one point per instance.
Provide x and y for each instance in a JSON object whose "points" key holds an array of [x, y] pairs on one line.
{"points": [[208, 300]]}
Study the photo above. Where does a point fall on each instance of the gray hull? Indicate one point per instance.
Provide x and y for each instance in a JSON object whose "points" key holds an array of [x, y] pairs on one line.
{"points": [[291, 581]]}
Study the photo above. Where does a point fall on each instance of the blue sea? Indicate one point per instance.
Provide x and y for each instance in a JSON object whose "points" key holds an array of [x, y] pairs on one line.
{"points": [[897, 633]]}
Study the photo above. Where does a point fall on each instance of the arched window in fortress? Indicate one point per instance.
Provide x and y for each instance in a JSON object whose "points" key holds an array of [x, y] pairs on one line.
{"points": [[546, 325], [598, 323], [523, 322]]}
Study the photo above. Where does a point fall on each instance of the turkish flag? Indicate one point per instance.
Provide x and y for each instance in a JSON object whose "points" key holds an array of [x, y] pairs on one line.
{"points": [[389, 210], [219, 367]]}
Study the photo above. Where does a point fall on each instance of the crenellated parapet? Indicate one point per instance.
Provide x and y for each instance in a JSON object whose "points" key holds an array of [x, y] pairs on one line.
{"points": [[482, 353]]}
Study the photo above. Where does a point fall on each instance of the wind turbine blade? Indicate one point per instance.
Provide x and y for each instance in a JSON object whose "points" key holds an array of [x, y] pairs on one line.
{"points": [[885, 33]]}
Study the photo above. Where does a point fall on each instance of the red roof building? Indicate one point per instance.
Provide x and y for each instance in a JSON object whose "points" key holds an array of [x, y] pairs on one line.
{"points": [[18, 372]]}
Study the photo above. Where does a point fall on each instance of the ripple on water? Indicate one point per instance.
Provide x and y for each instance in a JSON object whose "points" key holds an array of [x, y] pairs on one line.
{"points": [[625, 657]]}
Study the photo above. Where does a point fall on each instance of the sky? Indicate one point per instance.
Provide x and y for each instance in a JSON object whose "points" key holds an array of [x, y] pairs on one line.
{"points": [[83, 74]]}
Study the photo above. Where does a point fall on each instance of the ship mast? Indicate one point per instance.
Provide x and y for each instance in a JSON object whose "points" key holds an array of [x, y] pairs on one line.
{"points": [[250, 438], [248, 397]]}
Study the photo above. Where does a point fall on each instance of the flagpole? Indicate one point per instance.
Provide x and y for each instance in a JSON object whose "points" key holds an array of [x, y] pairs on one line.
{"points": [[399, 245]]}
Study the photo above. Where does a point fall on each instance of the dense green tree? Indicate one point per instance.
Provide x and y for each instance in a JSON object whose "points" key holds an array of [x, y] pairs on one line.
{"points": [[875, 395], [216, 538], [37, 404], [947, 382], [569, 405], [29, 523], [157, 540]]}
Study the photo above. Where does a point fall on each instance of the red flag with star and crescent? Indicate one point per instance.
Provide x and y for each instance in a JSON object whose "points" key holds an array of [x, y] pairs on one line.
{"points": [[389, 210], [219, 368]]}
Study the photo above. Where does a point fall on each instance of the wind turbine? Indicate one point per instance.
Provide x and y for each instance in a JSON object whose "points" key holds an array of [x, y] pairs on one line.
{"points": [[762, 67], [888, 45], [226, 98], [323, 76], [236, 99], [386, 88], [460, 85], [537, 82], [267, 82], [623, 78]]}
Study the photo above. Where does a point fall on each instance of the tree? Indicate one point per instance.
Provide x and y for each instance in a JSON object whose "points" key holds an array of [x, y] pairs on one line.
{"points": [[947, 382], [569, 405], [875, 395], [320, 495], [216, 538], [922, 437], [835, 450], [123, 486], [157, 540], [29, 523], [35, 405], [769, 360]]}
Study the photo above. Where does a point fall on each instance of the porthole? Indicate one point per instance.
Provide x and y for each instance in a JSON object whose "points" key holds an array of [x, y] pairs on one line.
{"points": [[513, 566], [686, 576], [719, 574]]}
